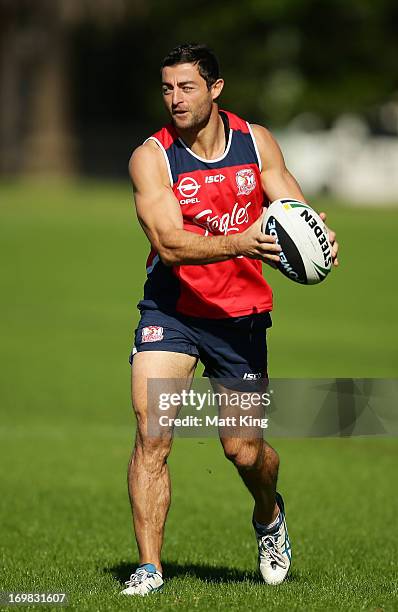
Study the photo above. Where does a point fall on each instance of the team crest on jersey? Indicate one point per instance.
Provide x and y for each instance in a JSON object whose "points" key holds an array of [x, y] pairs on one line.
{"points": [[246, 181], [152, 333]]}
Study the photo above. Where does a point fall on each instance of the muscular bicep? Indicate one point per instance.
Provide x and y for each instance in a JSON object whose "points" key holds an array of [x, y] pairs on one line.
{"points": [[158, 209], [276, 179], [159, 214]]}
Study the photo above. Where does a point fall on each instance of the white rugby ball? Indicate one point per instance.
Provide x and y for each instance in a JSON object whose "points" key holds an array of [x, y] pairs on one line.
{"points": [[306, 255]]}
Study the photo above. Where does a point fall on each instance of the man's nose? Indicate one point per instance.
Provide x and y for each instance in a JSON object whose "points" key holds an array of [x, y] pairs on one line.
{"points": [[177, 96]]}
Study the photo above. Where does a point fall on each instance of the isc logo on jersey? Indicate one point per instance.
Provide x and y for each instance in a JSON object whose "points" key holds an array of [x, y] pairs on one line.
{"points": [[215, 178]]}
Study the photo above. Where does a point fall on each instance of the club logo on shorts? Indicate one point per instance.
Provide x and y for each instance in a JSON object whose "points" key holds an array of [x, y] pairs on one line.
{"points": [[152, 333], [246, 181]]}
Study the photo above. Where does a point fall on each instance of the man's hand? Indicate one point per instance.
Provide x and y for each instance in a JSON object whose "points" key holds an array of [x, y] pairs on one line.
{"points": [[255, 244], [332, 239]]}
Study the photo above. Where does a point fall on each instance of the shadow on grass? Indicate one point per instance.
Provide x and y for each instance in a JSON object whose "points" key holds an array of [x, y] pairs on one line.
{"points": [[207, 573]]}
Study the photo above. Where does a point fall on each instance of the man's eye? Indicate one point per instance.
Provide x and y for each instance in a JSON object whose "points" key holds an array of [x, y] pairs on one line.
{"points": [[187, 88], [166, 90]]}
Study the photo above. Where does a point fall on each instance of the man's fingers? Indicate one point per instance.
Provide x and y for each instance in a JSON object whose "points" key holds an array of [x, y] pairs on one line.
{"points": [[266, 238], [335, 249], [332, 234], [268, 247]]}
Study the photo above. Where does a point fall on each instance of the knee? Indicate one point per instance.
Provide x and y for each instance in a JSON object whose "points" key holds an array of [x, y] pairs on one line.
{"points": [[151, 449], [152, 452], [245, 455]]}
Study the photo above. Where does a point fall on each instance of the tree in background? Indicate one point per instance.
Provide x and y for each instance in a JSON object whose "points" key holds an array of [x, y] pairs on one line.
{"points": [[36, 125]]}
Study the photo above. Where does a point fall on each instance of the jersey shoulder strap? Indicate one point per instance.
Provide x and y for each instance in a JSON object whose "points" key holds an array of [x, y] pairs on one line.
{"points": [[245, 131], [236, 123], [166, 136]]}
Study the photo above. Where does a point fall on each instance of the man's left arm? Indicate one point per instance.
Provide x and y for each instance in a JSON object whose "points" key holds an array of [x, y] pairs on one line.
{"points": [[276, 179]]}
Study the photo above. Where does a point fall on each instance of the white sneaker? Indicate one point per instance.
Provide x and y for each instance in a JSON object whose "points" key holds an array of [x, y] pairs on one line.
{"points": [[146, 579], [274, 550]]}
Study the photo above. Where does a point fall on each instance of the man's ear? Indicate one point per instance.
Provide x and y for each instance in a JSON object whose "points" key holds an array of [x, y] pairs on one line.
{"points": [[217, 88]]}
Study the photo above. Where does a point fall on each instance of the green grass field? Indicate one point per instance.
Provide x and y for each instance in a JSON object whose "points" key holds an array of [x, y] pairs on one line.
{"points": [[72, 271]]}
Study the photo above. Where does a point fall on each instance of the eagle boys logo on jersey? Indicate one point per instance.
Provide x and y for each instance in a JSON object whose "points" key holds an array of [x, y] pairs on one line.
{"points": [[246, 181], [223, 224], [152, 333]]}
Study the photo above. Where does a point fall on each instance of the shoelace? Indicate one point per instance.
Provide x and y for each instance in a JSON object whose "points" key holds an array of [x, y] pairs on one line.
{"points": [[139, 576], [268, 545]]}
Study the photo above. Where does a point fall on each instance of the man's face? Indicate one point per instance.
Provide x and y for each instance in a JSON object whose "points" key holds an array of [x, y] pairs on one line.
{"points": [[186, 96]]}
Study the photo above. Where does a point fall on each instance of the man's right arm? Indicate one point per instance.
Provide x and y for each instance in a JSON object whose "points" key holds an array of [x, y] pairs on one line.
{"points": [[159, 214]]}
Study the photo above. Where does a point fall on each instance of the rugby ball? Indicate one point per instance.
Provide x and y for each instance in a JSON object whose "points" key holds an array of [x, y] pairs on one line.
{"points": [[306, 255]]}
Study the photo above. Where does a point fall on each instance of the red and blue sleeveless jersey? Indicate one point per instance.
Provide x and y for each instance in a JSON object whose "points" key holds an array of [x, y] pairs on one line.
{"points": [[217, 197]]}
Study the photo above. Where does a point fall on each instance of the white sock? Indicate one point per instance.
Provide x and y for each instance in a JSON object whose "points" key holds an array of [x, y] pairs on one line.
{"points": [[261, 527]]}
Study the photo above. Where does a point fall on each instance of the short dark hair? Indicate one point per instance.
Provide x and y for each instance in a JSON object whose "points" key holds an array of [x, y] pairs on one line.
{"points": [[194, 53]]}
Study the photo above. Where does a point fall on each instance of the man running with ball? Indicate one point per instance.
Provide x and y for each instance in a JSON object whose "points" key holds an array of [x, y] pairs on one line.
{"points": [[201, 184]]}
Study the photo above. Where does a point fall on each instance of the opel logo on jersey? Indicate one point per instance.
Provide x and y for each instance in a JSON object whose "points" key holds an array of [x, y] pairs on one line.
{"points": [[246, 181], [188, 187]]}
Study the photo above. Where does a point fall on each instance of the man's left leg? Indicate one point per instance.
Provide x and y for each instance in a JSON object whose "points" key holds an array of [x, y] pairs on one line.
{"points": [[257, 463], [234, 352]]}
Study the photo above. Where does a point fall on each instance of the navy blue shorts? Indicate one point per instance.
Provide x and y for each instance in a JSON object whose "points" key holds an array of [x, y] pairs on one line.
{"points": [[229, 348]]}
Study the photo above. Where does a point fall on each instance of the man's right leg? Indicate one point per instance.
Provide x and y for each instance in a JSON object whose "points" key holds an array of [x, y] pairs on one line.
{"points": [[148, 474]]}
